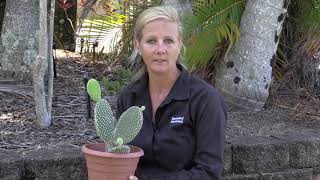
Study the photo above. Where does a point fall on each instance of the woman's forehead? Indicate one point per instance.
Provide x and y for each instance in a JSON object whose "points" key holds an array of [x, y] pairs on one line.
{"points": [[161, 26]]}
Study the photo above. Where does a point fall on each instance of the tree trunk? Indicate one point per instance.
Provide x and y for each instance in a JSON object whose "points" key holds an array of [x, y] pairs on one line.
{"points": [[244, 77], [182, 6], [39, 68], [50, 58], [19, 39]]}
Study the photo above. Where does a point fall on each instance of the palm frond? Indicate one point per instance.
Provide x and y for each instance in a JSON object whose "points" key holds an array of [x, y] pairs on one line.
{"points": [[281, 62], [209, 26], [97, 26]]}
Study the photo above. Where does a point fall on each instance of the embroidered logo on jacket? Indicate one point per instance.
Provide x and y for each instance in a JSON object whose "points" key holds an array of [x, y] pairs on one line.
{"points": [[177, 120]]}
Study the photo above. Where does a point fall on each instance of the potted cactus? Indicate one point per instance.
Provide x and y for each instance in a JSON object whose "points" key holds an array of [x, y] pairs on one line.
{"points": [[113, 159]]}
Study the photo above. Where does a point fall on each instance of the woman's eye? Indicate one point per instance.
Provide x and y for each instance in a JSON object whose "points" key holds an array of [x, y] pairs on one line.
{"points": [[169, 41], [151, 41]]}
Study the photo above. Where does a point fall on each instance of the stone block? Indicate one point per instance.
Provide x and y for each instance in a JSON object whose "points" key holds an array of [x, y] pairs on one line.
{"points": [[316, 173], [294, 174], [257, 154], [304, 148], [227, 158], [59, 164], [11, 165], [242, 177], [304, 154]]}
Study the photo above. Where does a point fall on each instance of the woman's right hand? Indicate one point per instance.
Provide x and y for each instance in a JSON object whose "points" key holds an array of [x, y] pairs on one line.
{"points": [[133, 178]]}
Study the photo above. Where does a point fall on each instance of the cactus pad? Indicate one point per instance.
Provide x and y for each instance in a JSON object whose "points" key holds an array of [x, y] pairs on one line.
{"points": [[104, 120], [94, 90], [129, 124]]}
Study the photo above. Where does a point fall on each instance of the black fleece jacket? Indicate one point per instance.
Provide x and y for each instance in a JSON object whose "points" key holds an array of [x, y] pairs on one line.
{"points": [[187, 139]]}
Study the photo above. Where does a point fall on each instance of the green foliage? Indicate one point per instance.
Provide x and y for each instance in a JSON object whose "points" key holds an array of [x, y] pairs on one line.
{"points": [[280, 62], [65, 20], [115, 134], [209, 27], [117, 15], [301, 25], [307, 13], [122, 76], [99, 26], [95, 27]]}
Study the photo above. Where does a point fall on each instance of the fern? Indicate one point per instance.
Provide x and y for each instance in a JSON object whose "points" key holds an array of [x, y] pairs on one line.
{"points": [[210, 25]]}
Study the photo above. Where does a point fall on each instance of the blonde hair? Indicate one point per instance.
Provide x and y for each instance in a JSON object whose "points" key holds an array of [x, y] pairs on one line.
{"points": [[151, 14]]}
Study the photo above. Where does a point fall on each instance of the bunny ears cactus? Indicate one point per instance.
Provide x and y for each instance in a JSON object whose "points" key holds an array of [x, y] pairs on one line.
{"points": [[115, 134]]}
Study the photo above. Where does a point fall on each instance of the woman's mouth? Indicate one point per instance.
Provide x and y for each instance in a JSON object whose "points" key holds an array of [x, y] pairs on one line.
{"points": [[159, 60]]}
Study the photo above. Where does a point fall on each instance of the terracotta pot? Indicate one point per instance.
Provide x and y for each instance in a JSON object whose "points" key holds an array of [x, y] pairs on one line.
{"points": [[110, 166]]}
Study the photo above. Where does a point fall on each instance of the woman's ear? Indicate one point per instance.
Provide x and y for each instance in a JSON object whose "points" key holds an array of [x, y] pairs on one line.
{"points": [[136, 44], [180, 43]]}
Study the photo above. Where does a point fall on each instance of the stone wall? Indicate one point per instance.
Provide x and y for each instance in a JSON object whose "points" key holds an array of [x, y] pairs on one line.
{"points": [[43, 164], [288, 157], [294, 156]]}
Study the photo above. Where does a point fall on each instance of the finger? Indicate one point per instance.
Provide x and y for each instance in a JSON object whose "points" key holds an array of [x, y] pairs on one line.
{"points": [[133, 178]]}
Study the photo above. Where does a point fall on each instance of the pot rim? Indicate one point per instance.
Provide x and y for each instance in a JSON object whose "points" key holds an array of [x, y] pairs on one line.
{"points": [[87, 150]]}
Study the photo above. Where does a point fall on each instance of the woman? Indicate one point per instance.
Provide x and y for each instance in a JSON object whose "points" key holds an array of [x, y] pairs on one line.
{"points": [[183, 131]]}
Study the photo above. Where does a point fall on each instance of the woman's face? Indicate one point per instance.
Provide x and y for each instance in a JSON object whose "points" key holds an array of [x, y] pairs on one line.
{"points": [[160, 46]]}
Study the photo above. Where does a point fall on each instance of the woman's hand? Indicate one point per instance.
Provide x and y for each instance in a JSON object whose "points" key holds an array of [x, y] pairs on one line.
{"points": [[133, 178]]}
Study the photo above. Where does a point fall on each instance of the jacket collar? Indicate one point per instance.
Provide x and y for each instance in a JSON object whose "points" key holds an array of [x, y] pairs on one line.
{"points": [[179, 91]]}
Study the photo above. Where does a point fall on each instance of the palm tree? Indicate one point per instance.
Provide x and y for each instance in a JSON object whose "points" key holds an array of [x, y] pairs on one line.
{"points": [[244, 73], [244, 77]]}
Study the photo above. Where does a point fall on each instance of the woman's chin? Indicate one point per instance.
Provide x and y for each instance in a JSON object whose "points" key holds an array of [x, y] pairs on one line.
{"points": [[159, 71]]}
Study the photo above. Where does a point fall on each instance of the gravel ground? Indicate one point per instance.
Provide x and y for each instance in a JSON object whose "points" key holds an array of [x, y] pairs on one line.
{"points": [[70, 126]]}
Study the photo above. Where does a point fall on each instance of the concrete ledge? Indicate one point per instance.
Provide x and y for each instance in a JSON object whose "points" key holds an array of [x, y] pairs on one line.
{"points": [[293, 156], [227, 159], [294, 174], [44, 164], [242, 177], [11, 165], [56, 164]]}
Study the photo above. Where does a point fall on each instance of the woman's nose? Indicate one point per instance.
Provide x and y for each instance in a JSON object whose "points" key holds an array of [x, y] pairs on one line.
{"points": [[161, 49]]}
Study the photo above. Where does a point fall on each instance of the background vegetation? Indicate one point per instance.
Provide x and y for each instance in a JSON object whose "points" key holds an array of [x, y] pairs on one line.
{"points": [[220, 20]]}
